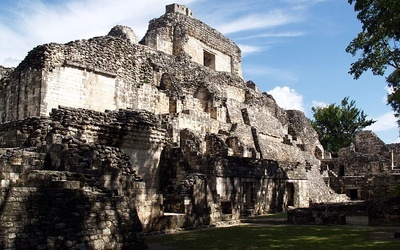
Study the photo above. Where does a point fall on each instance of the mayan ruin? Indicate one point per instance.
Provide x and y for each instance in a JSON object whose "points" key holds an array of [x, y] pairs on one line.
{"points": [[117, 137]]}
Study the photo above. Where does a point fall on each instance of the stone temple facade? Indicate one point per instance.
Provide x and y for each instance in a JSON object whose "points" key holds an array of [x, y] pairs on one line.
{"points": [[106, 138], [368, 169]]}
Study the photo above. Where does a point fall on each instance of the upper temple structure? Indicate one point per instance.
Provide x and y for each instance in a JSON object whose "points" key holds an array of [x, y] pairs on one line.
{"points": [[119, 137], [176, 34]]}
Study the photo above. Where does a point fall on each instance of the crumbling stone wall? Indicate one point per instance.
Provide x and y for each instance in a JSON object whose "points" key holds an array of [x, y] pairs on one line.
{"points": [[72, 158], [176, 136], [65, 217], [367, 169], [178, 32], [4, 74], [384, 212]]}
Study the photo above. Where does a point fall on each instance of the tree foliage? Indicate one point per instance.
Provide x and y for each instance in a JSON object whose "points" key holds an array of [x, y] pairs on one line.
{"points": [[337, 125], [378, 44]]}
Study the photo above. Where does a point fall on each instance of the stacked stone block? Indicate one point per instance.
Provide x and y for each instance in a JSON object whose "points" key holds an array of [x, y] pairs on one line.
{"points": [[64, 218], [169, 119]]}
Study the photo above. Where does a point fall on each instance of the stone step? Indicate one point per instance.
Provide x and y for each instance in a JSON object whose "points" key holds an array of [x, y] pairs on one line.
{"points": [[226, 217]]}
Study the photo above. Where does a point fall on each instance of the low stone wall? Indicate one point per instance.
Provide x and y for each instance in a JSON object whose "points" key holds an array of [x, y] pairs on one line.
{"points": [[63, 218], [385, 212], [61, 188], [29, 132], [315, 217], [327, 214]]}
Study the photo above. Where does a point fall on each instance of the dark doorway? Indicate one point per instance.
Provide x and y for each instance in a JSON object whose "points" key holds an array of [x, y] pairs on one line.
{"points": [[341, 171], [209, 60], [353, 193], [248, 195], [290, 194]]}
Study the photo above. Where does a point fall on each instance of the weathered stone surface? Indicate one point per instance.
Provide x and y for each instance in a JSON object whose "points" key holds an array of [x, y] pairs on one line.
{"points": [[315, 217], [128, 132], [124, 32], [58, 218], [328, 213], [367, 169], [178, 32], [384, 212]]}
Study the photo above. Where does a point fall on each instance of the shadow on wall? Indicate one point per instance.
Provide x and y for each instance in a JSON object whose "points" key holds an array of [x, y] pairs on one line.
{"points": [[58, 218]]}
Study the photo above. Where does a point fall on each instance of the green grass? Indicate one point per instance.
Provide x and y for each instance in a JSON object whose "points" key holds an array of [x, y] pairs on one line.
{"points": [[278, 237], [270, 216]]}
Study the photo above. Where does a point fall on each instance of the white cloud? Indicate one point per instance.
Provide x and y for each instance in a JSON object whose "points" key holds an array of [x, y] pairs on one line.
{"points": [[303, 4], [27, 24], [287, 98], [287, 34], [388, 90], [249, 49], [281, 34], [319, 104], [384, 122], [281, 75], [257, 21]]}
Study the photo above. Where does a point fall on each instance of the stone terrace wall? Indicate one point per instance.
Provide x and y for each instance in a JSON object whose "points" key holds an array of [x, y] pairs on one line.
{"points": [[138, 134], [70, 181], [42, 208], [30, 132], [364, 169], [384, 212], [215, 125], [74, 74], [65, 218], [327, 214]]}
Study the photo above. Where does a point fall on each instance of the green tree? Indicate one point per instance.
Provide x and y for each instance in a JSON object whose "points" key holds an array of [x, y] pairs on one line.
{"points": [[337, 125], [377, 45]]}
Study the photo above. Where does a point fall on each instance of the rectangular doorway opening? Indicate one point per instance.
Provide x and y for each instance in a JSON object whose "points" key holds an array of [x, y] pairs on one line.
{"points": [[290, 194], [353, 194], [209, 59]]}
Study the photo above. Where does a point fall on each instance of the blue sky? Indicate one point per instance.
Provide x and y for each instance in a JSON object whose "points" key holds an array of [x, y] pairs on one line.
{"points": [[293, 49]]}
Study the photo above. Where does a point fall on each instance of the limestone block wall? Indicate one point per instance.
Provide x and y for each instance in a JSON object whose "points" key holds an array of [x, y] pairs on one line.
{"points": [[145, 159], [215, 125], [177, 32], [149, 206], [4, 72], [366, 187], [137, 134], [190, 103], [125, 75], [28, 132], [235, 93], [197, 50], [14, 164], [384, 212], [265, 122], [42, 208], [248, 185], [66, 194], [60, 218], [78, 73], [150, 99], [367, 155], [367, 169], [21, 98], [78, 88], [319, 192]]}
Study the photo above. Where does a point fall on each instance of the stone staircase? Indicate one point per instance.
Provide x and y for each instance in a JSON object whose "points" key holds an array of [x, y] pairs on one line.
{"points": [[319, 191]]}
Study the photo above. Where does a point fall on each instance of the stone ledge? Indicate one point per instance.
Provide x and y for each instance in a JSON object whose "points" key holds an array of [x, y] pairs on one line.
{"points": [[89, 68]]}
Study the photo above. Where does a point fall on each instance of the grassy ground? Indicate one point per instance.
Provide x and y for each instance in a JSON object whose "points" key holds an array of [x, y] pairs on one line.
{"points": [[269, 216], [279, 237]]}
